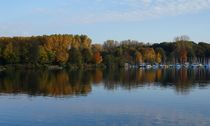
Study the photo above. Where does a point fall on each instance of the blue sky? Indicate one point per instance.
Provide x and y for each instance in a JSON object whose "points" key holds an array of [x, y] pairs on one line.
{"points": [[143, 20]]}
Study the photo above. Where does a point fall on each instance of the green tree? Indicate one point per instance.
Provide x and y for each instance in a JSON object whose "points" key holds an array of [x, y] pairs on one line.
{"points": [[86, 55], [10, 54], [1, 51], [42, 55], [109, 61], [75, 56]]}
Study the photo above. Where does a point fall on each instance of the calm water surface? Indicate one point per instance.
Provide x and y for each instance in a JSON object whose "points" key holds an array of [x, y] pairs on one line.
{"points": [[105, 98]]}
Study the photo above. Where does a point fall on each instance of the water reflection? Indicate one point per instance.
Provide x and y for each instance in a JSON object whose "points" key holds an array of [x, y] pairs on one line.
{"points": [[182, 80], [56, 83], [64, 83]]}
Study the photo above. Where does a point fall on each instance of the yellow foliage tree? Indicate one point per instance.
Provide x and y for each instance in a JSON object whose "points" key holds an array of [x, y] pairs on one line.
{"points": [[149, 55], [158, 58], [138, 58]]}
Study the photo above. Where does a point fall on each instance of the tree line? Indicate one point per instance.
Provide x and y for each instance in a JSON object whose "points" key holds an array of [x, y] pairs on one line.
{"points": [[79, 51]]}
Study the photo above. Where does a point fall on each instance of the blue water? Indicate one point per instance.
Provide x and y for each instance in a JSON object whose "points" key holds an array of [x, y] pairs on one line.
{"points": [[149, 105]]}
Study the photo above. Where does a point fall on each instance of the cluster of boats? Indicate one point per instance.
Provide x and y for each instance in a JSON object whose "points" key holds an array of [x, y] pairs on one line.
{"points": [[177, 66]]}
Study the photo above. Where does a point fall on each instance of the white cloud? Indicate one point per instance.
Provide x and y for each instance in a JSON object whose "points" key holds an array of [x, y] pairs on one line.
{"points": [[137, 10]]}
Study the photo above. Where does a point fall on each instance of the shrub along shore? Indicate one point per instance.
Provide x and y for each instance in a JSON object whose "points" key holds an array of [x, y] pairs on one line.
{"points": [[78, 52]]}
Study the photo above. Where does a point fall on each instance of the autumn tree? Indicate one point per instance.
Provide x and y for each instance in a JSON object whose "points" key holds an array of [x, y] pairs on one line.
{"points": [[97, 58], [97, 48], [85, 41], [160, 53], [149, 55], [158, 58], [58, 45], [63, 49], [138, 58]]}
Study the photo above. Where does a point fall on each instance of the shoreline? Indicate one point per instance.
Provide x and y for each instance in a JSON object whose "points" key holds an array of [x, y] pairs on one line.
{"points": [[50, 67], [72, 67]]}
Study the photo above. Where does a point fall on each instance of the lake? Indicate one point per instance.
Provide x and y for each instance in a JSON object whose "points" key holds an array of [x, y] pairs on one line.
{"points": [[163, 97]]}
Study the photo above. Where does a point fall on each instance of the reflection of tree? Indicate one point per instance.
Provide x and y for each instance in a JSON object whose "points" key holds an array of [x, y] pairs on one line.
{"points": [[56, 85], [183, 79], [97, 76], [159, 75], [149, 76], [61, 83], [45, 83]]}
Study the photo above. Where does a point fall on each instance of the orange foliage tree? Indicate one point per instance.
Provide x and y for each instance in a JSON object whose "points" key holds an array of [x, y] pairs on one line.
{"points": [[97, 58]]}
